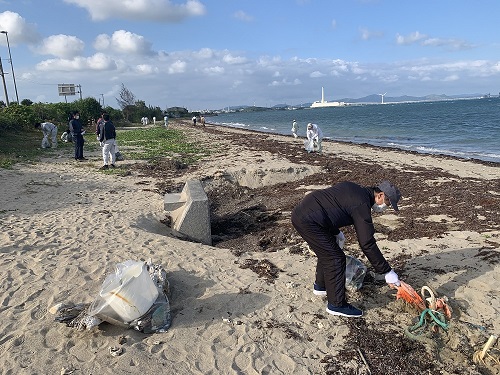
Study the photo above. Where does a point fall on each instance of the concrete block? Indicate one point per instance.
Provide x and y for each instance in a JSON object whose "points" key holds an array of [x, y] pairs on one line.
{"points": [[190, 212]]}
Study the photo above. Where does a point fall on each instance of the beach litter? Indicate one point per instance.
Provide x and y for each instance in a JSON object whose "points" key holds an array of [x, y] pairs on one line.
{"points": [[134, 296], [435, 313], [355, 272], [480, 357]]}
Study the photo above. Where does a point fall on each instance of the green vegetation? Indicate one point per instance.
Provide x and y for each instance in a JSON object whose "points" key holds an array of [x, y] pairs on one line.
{"points": [[150, 144], [23, 147], [20, 142], [155, 143]]}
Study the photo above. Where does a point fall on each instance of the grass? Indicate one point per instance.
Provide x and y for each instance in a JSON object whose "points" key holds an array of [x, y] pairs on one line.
{"points": [[155, 143], [22, 147], [150, 144]]}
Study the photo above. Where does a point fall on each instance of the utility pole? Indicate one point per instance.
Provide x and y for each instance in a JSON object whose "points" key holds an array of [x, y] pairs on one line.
{"points": [[4, 85], [102, 95], [11, 64]]}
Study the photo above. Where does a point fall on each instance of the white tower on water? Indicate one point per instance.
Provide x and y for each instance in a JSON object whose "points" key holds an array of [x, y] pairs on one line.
{"points": [[382, 97]]}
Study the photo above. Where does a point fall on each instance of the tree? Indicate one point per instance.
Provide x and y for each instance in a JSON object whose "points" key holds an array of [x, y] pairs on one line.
{"points": [[26, 102], [126, 101]]}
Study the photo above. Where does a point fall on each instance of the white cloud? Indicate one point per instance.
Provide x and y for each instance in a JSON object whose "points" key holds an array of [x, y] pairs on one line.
{"points": [[242, 16], [18, 30], [452, 44], [177, 67], [316, 74], [451, 78], [410, 39], [285, 82], [426, 41], [97, 62], [143, 10], [205, 53], [64, 46], [230, 59], [214, 70], [123, 42], [145, 69], [368, 34]]}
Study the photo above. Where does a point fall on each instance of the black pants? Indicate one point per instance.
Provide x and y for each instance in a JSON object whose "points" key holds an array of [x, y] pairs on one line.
{"points": [[331, 263], [78, 141]]}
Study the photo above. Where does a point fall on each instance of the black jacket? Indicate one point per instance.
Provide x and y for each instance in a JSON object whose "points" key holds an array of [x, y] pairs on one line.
{"points": [[75, 127], [344, 204], [107, 131]]}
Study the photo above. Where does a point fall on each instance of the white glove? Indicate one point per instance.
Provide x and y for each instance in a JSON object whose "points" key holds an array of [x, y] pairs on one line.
{"points": [[391, 277], [83, 132], [340, 238]]}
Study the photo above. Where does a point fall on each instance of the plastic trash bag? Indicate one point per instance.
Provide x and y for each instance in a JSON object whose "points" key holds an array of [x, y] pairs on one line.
{"points": [[66, 137], [355, 272], [126, 294], [311, 145], [158, 318], [134, 284]]}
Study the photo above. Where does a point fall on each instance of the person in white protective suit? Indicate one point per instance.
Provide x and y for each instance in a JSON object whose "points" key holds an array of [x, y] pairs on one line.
{"points": [[49, 130], [314, 138], [295, 128]]}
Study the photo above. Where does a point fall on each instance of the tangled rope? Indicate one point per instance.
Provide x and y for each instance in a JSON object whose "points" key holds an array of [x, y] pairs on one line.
{"points": [[482, 356]]}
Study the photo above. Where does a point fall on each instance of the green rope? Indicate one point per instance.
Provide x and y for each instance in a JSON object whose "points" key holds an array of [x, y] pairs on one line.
{"points": [[439, 320]]}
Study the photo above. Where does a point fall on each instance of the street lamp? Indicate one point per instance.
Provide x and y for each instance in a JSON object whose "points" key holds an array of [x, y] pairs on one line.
{"points": [[11, 65]]}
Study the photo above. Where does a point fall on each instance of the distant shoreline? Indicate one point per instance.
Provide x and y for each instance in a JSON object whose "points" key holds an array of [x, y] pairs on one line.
{"points": [[365, 145]]}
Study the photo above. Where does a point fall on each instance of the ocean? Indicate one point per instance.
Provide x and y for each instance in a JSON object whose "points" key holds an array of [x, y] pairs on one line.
{"points": [[468, 129]]}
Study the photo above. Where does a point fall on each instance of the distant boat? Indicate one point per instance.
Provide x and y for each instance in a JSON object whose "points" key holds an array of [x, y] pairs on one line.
{"points": [[324, 103]]}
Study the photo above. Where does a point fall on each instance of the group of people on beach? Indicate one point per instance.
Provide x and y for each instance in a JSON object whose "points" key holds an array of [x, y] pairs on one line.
{"points": [[104, 130], [318, 218]]}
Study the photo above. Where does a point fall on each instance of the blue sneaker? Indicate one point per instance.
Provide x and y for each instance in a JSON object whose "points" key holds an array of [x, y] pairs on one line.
{"points": [[318, 290], [346, 310]]}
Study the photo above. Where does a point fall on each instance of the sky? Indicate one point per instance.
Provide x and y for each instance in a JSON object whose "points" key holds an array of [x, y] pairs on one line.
{"points": [[211, 54]]}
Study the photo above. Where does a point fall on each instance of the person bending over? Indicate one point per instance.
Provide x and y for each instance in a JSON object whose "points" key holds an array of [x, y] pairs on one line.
{"points": [[318, 219], [49, 130]]}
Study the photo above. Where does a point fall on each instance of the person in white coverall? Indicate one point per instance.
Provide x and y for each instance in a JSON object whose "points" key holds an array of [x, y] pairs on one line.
{"points": [[314, 138], [295, 128], [49, 130]]}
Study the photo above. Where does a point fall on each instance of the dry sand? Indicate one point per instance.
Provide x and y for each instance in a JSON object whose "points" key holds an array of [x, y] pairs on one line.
{"points": [[65, 225]]}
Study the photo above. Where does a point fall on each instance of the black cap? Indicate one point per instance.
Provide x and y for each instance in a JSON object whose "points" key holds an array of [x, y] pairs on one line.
{"points": [[392, 192]]}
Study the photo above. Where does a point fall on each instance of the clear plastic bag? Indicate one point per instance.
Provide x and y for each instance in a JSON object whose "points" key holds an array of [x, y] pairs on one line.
{"points": [[355, 272], [126, 294]]}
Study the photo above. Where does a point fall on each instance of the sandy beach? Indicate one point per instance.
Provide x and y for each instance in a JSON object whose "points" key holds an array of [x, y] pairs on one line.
{"points": [[65, 225]]}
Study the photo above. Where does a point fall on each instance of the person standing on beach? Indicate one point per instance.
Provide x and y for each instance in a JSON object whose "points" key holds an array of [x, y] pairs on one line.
{"points": [[165, 118], [295, 128], [318, 219], [107, 139], [49, 130], [314, 138], [77, 132], [194, 120], [202, 120]]}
